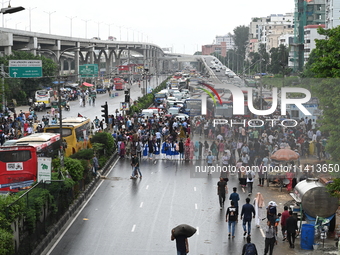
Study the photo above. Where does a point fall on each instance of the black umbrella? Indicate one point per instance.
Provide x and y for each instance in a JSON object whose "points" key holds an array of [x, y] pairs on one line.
{"points": [[183, 230]]}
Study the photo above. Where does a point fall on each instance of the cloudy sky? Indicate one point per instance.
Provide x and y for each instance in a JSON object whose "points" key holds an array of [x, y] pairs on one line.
{"points": [[182, 25]]}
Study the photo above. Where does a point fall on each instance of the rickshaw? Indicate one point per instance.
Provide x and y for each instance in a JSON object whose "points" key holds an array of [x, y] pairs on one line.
{"points": [[38, 106], [64, 104], [55, 104], [93, 94]]}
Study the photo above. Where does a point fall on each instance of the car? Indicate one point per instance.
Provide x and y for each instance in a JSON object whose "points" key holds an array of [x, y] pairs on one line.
{"points": [[218, 69], [148, 112], [173, 110]]}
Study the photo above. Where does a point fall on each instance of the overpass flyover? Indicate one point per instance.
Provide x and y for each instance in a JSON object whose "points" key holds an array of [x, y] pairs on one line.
{"points": [[83, 51]]}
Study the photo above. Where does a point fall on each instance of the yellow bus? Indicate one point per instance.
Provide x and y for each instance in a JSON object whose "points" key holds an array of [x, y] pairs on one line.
{"points": [[76, 133]]}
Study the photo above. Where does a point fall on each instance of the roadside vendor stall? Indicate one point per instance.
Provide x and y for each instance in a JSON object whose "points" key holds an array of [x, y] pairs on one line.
{"points": [[281, 171]]}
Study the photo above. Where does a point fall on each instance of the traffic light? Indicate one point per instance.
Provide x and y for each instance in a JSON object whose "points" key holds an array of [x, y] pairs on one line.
{"points": [[127, 96], [105, 112]]}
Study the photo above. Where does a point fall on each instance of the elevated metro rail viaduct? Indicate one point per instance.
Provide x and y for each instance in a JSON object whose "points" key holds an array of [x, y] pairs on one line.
{"points": [[90, 51]]}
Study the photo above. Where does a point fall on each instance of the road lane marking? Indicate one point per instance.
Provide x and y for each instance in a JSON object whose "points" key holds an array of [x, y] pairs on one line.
{"points": [[133, 228], [194, 188], [141, 205], [196, 206], [80, 211], [262, 232], [198, 231], [147, 186]]}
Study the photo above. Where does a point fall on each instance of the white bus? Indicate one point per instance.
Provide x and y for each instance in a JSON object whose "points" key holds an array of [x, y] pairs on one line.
{"points": [[46, 96]]}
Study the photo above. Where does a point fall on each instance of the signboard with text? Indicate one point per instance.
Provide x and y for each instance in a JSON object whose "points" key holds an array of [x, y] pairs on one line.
{"points": [[88, 70], [44, 169], [25, 68]]}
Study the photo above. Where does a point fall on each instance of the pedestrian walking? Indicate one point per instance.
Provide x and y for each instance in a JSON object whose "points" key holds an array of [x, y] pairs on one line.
{"points": [[250, 181], [272, 212], [135, 167], [270, 240], [210, 159], [182, 244], [95, 165], [222, 189], [234, 197], [261, 174], [247, 212], [292, 228], [249, 248], [284, 217], [259, 205], [232, 218]]}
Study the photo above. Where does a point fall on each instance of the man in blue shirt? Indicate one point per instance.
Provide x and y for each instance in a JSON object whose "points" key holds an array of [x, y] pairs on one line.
{"points": [[247, 211], [234, 197], [210, 160]]}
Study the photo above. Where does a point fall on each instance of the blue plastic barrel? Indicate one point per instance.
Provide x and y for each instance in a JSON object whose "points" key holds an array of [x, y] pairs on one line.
{"points": [[307, 236]]}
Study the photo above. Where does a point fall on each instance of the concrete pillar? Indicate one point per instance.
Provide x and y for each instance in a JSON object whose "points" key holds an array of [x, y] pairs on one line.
{"points": [[76, 60], [6, 40], [33, 45]]}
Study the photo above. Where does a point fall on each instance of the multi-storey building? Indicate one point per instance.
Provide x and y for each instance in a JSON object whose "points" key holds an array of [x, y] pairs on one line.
{"points": [[310, 34], [215, 48], [228, 39], [332, 13], [307, 12], [267, 30]]}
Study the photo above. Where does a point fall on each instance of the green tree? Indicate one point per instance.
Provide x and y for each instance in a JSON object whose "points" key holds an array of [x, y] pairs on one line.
{"points": [[241, 34], [326, 65], [327, 53], [22, 88]]}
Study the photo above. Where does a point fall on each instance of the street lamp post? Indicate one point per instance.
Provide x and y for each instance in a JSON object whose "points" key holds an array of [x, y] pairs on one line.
{"points": [[58, 59], [49, 20], [71, 19], [98, 28], [86, 20], [30, 20], [8, 10]]}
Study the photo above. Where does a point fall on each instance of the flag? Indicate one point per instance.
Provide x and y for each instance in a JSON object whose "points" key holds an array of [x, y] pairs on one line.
{"points": [[79, 115]]}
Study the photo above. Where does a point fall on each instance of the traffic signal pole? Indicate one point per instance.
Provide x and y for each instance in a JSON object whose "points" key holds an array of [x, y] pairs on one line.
{"points": [[105, 114]]}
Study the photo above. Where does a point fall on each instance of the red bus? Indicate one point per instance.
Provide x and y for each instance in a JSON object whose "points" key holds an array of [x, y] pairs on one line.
{"points": [[119, 83], [177, 75], [19, 162]]}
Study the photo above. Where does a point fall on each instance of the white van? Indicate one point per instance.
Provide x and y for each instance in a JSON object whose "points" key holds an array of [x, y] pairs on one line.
{"points": [[148, 113]]}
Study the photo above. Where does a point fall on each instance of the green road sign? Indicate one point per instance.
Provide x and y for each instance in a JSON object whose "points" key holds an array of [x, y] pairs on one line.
{"points": [[88, 70], [25, 68]]}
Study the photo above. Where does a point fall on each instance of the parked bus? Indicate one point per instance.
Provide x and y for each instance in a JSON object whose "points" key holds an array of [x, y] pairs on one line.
{"points": [[45, 96], [19, 161], [76, 133]]}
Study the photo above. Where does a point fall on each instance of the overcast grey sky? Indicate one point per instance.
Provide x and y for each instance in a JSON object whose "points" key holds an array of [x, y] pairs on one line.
{"points": [[183, 25]]}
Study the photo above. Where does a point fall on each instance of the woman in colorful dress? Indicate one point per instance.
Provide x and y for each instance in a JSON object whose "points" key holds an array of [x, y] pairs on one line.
{"points": [[122, 149], [192, 148]]}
